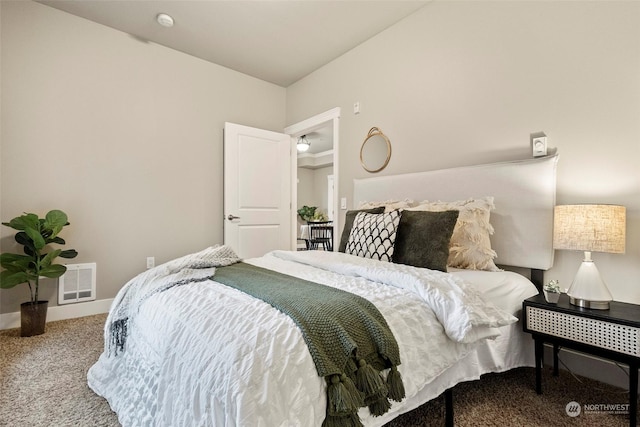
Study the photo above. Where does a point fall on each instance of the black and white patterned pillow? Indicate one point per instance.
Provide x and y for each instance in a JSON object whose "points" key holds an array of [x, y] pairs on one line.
{"points": [[373, 235]]}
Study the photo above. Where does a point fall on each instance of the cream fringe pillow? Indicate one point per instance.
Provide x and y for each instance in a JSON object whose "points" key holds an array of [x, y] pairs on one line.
{"points": [[470, 246]]}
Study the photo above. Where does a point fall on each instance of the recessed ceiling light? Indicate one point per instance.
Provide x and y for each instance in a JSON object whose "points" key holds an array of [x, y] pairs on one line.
{"points": [[164, 20]]}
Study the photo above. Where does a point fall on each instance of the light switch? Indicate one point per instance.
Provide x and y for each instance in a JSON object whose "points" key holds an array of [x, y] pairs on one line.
{"points": [[343, 203]]}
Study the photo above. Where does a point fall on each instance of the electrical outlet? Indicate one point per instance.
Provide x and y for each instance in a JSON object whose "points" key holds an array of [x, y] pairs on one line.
{"points": [[151, 262]]}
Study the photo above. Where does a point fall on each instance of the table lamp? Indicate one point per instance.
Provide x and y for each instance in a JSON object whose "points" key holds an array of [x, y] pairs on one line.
{"points": [[589, 228]]}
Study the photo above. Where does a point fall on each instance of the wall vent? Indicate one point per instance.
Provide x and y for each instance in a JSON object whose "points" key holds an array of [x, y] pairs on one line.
{"points": [[78, 283]]}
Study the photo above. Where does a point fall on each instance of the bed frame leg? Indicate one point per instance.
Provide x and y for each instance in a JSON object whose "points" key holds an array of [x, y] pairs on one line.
{"points": [[448, 408]]}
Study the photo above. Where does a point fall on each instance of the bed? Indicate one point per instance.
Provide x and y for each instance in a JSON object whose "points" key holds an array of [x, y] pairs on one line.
{"points": [[202, 353]]}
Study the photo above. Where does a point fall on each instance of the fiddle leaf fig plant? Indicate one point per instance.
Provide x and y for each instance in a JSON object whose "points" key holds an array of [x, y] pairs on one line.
{"points": [[35, 235]]}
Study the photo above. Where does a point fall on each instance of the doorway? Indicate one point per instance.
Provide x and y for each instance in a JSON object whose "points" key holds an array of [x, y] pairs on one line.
{"points": [[320, 161]]}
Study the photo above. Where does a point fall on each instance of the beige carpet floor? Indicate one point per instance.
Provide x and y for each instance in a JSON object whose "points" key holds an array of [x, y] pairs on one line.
{"points": [[43, 383]]}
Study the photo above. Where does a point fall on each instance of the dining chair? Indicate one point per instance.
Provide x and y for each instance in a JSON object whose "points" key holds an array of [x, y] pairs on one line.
{"points": [[321, 234]]}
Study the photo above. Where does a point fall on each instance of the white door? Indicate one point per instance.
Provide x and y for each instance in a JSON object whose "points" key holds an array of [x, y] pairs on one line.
{"points": [[257, 190]]}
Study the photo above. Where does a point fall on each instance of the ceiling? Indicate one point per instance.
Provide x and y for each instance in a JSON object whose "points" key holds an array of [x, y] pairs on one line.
{"points": [[276, 41], [321, 139]]}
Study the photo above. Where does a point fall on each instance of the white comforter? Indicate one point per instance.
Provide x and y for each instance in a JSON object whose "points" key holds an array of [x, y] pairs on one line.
{"points": [[205, 354]]}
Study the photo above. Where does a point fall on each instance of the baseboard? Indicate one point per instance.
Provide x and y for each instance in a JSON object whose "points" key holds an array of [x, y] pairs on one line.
{"points": [[61, 312], [593, 367]]}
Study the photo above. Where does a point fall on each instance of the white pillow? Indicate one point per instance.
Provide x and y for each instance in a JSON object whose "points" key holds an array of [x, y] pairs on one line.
{"points": [[373, 235], [389, 205], [470, 246]]}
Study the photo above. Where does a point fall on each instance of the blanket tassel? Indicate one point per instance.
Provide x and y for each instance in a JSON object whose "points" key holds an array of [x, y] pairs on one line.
{"points": [[343, 401], [372, 385], [356, 395], [118, 332], [379, 407], [395, 385]]}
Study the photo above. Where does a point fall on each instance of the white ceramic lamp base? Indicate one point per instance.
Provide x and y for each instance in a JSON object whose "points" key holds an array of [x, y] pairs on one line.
{"points": [[588, 290]]}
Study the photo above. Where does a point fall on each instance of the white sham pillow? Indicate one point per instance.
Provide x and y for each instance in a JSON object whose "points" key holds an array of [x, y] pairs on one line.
{"points": [[389, 205]]}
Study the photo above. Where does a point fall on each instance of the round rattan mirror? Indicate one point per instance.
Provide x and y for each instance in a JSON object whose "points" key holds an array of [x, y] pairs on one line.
{"points": [[375, 151]]}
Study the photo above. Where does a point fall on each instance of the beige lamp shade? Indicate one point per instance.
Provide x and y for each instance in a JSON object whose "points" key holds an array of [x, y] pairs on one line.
{"points": [[592, 228]]}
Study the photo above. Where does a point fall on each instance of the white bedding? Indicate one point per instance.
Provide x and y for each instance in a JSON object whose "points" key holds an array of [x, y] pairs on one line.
{"points": [[205, 354]]}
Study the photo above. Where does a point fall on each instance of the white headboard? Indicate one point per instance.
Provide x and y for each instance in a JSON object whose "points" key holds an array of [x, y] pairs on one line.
{"points": [[524, 193]]}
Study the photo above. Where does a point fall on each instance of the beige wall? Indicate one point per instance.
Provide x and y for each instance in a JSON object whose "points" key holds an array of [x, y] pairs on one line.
{"points": [[306, 192], [126, 135], [0, 125], [313, 188], [321, 187], [123, 135], [459, 83]]}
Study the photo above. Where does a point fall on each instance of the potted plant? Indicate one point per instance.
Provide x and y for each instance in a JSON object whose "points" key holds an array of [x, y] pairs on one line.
{"points": [[307, 212], [319, 217], [34, 234], [552, 291]]}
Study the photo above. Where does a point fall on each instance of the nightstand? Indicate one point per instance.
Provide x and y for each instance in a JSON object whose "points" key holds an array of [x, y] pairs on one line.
{"points": [[612, 334]]}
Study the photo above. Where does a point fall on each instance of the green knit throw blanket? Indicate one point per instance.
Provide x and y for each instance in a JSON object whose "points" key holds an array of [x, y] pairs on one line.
{"points": [[348, 338]]}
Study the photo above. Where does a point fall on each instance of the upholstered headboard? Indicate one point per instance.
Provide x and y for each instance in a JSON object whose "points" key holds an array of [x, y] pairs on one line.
{"points": [[524, 194]]}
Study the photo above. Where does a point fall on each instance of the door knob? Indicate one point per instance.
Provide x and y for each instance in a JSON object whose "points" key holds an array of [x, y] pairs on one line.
{"points": [[232, 217]]}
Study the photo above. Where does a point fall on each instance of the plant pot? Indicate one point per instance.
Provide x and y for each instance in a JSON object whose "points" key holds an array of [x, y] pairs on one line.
{"points": [[33, 318], [551, 297]]}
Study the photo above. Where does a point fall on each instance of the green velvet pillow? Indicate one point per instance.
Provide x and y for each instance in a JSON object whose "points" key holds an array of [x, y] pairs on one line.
{"points": [[423, 239], [348, 224]]}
